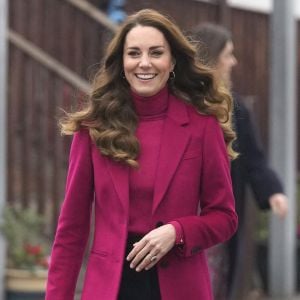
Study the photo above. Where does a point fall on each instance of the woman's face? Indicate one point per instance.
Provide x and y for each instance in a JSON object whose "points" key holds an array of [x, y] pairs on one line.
{"points": [[147, 60], [226, 62]]}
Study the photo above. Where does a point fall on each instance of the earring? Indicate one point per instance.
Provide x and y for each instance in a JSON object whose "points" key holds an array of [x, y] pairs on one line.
{"points": [[172, 75], [123, 75]]}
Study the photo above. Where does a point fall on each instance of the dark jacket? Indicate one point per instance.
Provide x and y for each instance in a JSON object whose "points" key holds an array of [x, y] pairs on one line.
{"points": [[250, 168]]}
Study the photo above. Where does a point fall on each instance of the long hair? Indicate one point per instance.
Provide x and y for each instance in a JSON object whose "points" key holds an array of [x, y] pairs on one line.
{"points": [[109, 114]]}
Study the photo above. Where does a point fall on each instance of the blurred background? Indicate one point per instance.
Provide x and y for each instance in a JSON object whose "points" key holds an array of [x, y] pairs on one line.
{"points": [[54, 48]]}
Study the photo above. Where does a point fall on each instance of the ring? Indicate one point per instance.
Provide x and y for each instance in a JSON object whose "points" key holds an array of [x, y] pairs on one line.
{"points": [[153, 258]]}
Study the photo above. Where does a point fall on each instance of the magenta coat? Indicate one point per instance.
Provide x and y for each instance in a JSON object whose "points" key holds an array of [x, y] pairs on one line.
{"points": [[193, 186]]}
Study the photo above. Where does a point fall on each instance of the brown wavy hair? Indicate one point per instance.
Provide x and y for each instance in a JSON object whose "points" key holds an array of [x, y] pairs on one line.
{"points": [[109, 114]]}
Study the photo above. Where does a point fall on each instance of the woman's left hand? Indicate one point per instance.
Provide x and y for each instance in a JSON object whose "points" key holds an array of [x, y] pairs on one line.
{"points": [[152, 247]]}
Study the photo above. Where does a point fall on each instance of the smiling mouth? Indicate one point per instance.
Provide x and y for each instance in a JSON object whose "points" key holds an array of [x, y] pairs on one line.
{"points": [[145, 76]]}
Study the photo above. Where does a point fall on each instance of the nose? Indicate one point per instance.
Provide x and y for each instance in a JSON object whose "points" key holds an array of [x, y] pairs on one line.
{"points": [[145, 61]]}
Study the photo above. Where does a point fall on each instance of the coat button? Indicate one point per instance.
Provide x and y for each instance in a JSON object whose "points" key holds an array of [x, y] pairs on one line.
{"points": [[159, 223]]}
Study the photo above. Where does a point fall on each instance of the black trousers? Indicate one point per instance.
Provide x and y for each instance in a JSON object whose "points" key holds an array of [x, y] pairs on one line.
{"points": [[135, 285]]}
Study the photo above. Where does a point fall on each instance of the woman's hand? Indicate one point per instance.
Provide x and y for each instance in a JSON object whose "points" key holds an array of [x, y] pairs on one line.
{"points": [[152, 247], [279, 204]]}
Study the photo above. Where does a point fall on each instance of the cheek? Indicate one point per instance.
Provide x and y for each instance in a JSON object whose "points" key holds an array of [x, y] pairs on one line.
{"points": [[170, 66], [128, 65], [226, 65], [222, 68], [167, 68]]}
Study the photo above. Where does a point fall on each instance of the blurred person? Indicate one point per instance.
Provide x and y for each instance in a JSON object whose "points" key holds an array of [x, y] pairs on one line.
{"points": [[151, 150], [115, 11], [216, 49]]}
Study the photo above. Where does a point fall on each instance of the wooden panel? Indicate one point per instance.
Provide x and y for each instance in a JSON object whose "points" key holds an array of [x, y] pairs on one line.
{"points": [[37, 154], [61, 30], [185, 13], [251, 75]]}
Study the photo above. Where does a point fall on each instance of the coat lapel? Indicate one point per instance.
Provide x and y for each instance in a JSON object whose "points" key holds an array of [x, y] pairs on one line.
{"points": [[120, 177], [175, 138]]}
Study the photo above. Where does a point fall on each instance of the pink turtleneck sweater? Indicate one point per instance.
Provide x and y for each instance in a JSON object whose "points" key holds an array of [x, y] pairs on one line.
{"points": [[152, 113]]}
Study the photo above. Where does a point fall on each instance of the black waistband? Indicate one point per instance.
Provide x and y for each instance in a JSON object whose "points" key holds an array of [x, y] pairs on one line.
{"points": [[133, 238]]}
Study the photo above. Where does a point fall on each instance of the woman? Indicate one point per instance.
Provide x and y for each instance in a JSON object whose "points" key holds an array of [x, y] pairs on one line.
{"points": [[215, 47], [149, 150]]}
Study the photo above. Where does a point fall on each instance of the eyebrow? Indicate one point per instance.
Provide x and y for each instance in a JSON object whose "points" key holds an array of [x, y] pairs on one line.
{"points": [[151, 48]]}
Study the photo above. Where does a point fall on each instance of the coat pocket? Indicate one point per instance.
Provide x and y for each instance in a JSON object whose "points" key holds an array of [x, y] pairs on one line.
{"points": [[193, 153], [101, 253]]}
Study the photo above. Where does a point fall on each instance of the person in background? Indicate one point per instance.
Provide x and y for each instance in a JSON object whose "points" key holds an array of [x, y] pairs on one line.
{"points": [[151, 152], [216, 49], [115, 11]]}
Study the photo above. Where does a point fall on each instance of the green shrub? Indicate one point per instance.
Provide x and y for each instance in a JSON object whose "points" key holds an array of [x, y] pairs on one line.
{"points": [[27, 246]]}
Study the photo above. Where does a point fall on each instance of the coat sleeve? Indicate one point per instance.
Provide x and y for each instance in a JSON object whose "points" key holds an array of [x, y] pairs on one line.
{"points": [[263, 180], [74, 222], [217, 221]]}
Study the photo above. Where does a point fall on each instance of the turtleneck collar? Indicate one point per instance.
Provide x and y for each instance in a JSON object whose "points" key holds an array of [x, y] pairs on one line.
{"points": [[152, 106]]}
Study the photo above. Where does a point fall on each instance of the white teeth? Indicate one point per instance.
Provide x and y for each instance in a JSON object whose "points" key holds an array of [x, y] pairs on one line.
{"points": [[145, 76]]}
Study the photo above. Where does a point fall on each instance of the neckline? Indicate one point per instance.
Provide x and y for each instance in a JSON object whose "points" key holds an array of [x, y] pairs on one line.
{"points": [[152, 106]]}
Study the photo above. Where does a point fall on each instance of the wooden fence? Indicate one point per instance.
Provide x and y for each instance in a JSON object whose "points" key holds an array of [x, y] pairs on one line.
{"points": [[55, 48]]}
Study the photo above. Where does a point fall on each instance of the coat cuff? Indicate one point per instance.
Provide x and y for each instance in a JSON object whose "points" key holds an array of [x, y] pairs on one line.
{"points": [[179, 233]]}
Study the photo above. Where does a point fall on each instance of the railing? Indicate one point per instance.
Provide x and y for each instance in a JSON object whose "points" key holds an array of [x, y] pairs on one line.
{"points": [[48, 62], [94, 13]]}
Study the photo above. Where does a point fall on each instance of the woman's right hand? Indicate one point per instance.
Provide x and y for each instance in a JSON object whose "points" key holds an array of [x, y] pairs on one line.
{"points": [[152, 247], [279, 204]]}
